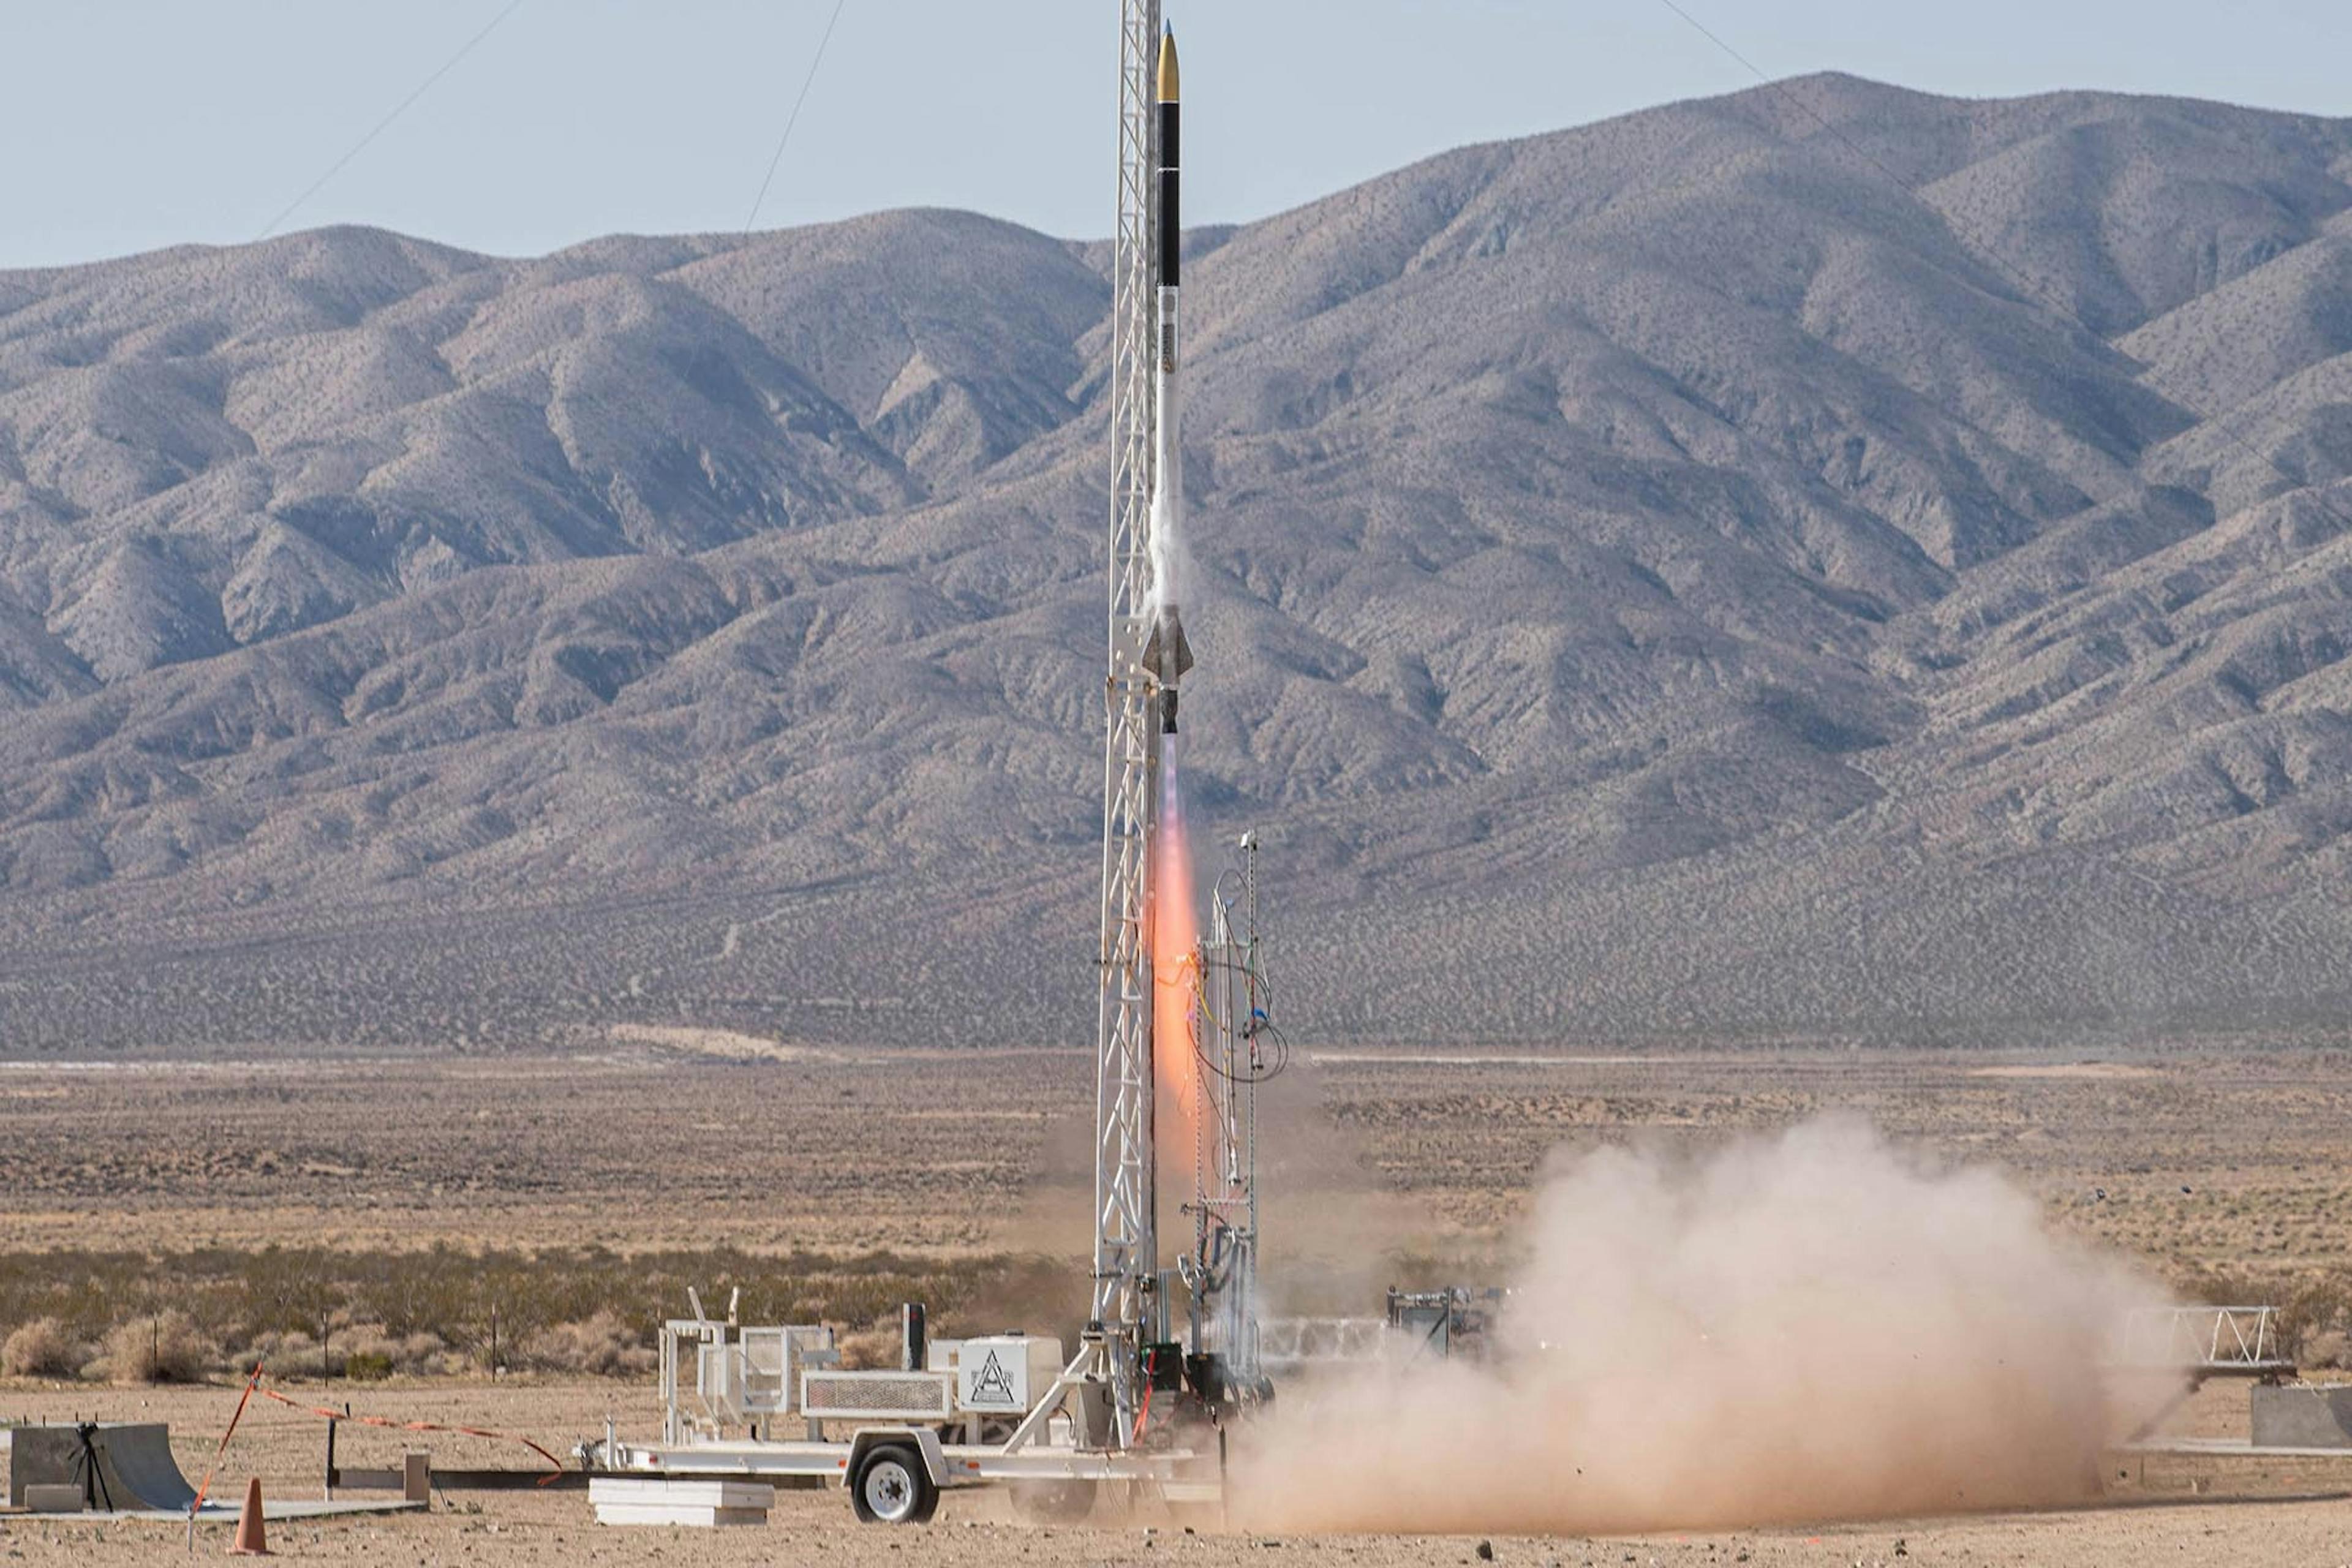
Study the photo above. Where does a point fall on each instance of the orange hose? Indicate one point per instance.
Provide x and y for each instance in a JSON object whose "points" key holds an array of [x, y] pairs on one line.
{"points": [[1143, 1415]]}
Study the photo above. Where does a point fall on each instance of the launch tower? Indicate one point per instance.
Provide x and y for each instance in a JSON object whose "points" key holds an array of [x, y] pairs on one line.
{"points": [[1128, 1288]]}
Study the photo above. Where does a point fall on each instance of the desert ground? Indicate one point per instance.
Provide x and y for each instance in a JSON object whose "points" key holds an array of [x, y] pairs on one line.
{"points": [[2221, 1168], [2276, 1516]]}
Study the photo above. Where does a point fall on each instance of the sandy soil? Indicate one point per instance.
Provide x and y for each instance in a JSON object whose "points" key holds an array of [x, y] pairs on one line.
{"points": [[2222, 1160], [2188, 1511], [815, 1528], [2232, 1162]]}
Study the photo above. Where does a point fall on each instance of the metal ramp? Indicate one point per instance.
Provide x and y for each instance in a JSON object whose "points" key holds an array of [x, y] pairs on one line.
{"points": [[117, 1465], [125, 1469]]}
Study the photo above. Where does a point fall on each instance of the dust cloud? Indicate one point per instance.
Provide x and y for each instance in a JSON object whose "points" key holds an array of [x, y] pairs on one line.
{"points": [[1334, 1234], [1811, 1325]]}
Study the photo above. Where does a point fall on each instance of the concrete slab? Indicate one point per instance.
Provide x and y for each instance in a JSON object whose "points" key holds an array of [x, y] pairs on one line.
{"points": [[704, 1504], [2303, 1416], [2231, 1447], [225, 1513]]}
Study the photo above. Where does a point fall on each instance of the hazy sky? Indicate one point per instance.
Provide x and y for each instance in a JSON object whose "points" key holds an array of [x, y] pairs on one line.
{"points": [[128, 125]]}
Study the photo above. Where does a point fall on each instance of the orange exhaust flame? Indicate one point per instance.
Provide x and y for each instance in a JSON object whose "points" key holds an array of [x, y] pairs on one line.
{"points": [[1176, 977]]}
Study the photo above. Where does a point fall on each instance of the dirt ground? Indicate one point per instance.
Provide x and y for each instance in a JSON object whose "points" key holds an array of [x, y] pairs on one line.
{"points": [[2202, 1512], [643, 1148], [2198, 1157], [2235, 1164]]}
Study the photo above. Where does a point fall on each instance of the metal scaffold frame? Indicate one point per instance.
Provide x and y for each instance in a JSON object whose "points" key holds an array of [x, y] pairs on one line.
{"points": [[1125, 1245]]}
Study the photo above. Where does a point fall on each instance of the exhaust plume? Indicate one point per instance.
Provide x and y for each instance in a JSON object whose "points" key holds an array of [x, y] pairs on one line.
{"points": [[1175, 981], [1799, 1327]]}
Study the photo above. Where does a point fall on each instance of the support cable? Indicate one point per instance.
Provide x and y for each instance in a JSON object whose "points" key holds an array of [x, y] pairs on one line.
{"points": [[794, 117], [382, 125]]}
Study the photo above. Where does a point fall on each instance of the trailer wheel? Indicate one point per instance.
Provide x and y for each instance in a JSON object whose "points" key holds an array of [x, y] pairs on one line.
{"points": [[1053, 1502], [892, 1487]]}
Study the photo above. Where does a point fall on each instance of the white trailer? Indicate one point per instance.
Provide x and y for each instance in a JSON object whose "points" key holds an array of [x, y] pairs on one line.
{"points": [[1001, 1409]]}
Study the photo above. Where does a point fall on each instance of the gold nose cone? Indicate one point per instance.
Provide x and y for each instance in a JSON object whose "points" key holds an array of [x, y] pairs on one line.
{"points": [[1168, 66]]}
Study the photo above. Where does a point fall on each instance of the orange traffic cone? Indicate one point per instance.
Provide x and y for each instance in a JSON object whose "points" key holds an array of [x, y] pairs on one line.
{"points": [[249, 1541]]}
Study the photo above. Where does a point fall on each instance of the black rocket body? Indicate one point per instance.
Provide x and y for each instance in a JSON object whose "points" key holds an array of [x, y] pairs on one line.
{"points": [[1166, 655]]}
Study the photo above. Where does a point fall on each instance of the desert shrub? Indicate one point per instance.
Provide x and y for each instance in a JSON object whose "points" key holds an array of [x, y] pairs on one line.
{"points": [[866, 1349], [431, 1310], [286, 1353], [42, 1348], [165, 1348], [602, 1345], [418, 1354], [367, 1366], [425, 1355], [2314, 1317]]}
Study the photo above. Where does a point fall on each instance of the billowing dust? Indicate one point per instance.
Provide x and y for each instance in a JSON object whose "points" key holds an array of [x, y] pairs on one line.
{"points": [[1805, 1326], [1335, 1236]]}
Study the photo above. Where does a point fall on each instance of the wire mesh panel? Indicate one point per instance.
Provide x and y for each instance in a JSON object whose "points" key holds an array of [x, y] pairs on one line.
{"points": [[868, 1395], [764, 1377]]}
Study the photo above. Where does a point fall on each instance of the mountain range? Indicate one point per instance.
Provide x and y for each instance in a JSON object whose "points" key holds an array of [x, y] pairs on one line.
{"points": [[1825, 562]]}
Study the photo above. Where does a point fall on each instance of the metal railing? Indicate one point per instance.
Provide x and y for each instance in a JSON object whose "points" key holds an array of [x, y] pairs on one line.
{"points": [[2209, 1342], [1287, 1346]]}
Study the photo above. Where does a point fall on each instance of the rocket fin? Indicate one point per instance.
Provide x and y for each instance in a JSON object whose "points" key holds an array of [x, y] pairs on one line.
{"points": [[1171, 625]]}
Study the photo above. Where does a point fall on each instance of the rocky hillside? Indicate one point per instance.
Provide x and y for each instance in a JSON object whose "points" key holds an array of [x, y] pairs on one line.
{"points": [[1665, 578]]}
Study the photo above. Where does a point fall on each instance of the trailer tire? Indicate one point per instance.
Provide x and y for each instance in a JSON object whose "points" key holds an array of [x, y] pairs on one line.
{"points": [[892, 1487], [1053, 1502]]}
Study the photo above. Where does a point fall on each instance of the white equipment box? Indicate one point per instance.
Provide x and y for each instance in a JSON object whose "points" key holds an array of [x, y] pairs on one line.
{"points": [[1000, 1374]]}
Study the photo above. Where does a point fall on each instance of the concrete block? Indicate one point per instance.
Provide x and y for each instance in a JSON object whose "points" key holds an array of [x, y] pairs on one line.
{"points": [[2303, 1418]]}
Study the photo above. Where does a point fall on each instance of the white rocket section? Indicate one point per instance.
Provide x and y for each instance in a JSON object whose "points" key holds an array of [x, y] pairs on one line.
{"points": [[1166, 656], [1168, 563]]}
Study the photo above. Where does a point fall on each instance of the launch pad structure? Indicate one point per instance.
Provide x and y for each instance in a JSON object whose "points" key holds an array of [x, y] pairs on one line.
{"points": [[1126, 1295], [1143, 1401]]}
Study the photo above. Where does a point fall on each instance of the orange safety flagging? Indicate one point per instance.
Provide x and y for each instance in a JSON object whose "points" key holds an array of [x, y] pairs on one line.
{"points": [[214, 1469], [415, 1426]]}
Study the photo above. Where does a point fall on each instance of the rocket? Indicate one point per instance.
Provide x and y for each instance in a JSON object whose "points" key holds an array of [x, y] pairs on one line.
{"points": [[1166, 655]]}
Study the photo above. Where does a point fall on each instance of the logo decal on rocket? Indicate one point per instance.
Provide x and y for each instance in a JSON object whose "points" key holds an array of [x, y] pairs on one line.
{"points": [[1166, 656]]}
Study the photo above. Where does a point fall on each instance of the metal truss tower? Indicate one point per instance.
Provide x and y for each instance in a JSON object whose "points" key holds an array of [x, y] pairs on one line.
{"points": [[1128, 1282]]}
